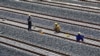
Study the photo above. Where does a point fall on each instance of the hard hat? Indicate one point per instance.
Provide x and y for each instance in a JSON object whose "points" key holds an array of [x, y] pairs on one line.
{"points": [[79, 32], [29, 14], [56, 23], [67, 35]]}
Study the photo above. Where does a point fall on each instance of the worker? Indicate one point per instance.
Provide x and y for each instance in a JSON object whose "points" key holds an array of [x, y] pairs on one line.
{"points": [[79, 37], [57, 28], [29, 23]]}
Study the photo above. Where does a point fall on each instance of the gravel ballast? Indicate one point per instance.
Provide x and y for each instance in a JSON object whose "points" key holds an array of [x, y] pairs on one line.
{"points": [[50, 24], [54, 11], [55, 43]]}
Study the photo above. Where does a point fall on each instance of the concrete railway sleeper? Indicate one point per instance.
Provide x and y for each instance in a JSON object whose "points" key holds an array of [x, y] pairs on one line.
{"points": [[14, 23]]}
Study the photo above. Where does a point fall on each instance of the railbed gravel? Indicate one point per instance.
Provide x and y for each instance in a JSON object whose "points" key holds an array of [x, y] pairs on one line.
{"points": [[9, 51], [80, 3], [73, 48], [93, 33], [55, 11]]}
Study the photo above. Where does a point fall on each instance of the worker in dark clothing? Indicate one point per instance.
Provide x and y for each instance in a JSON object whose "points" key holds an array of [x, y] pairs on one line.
{"points": [[79, 37], [29, 23], [57, 28]]}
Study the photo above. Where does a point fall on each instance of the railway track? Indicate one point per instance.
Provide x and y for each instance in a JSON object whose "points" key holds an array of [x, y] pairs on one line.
{"points": [[51, 32], [92, 1], [21, 48], [98, 28], [68, 5], [49, 17], [81, 2], [62, 32], [52, 16], [29, 47]]}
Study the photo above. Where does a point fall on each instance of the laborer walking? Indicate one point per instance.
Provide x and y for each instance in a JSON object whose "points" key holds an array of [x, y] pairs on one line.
{"points": [[29, 23]]}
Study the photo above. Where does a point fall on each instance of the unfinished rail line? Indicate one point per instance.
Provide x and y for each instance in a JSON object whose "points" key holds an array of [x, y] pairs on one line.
{"points": [[50, 17], [67, 5], [90, 44], [29, 44], [63, 22], [30, 12], [92, 1], [21, 48], [49, 33]]}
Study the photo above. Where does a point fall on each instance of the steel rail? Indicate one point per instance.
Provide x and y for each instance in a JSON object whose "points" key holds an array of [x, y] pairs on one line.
{"points": [[62, 5], [19, 47], [92, 1], [22, 49], [1, 36], [63, 22], [50, 15], [54, 19], [51, 34], [20, 41]]}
